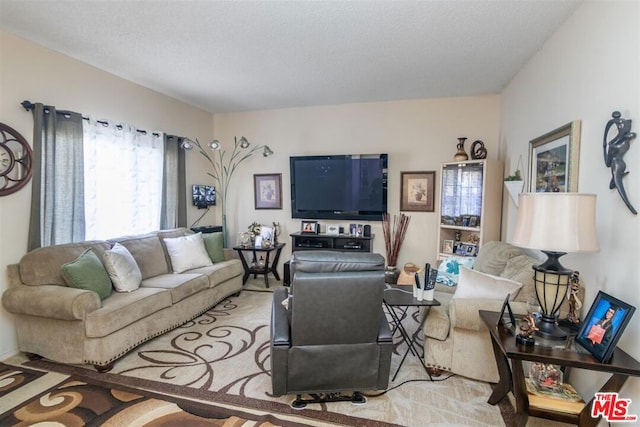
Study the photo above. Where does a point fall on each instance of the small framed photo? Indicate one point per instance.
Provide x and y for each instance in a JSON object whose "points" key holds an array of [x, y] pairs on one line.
{"points": [[417, 191], [353, 228], [333, 229], [474, 221], [309, 227], [447, 246], [603, 325], [506, 318], [268, 191]]}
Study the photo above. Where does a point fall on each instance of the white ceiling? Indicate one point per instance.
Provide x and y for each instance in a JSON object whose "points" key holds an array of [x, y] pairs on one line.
{"points": [[229, 56]]}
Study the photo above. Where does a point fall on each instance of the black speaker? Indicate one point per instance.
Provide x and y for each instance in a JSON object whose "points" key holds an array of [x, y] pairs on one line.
{"points": [[341, 230], [367, 231]]}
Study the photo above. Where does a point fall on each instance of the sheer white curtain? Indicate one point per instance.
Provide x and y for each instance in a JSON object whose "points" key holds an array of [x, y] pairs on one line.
{"points": [[123, 170]]}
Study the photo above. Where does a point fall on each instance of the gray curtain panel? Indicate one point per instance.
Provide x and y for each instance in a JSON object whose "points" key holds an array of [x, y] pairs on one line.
{"points": [[57, 198], [174, 193]]}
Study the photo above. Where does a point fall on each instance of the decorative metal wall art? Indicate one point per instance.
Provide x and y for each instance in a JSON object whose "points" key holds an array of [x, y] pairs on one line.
{"points": [[614, 149]]}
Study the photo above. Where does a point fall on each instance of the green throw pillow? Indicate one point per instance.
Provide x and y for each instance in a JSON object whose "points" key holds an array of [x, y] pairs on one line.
{"points": [[87, 272], [213, 244]]}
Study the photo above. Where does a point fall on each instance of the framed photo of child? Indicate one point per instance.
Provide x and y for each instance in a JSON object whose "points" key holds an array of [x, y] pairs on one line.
{"points": [[603, 325]]}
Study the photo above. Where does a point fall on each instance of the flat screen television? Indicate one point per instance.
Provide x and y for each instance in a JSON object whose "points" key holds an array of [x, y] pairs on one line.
{"points": [[351, 186], [203, 196]]}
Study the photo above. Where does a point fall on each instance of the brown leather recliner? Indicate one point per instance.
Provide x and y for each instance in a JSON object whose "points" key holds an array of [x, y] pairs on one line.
{"points": [[334, 336]]}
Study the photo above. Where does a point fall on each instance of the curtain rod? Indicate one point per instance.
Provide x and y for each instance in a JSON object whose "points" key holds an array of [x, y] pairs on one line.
{"points": [[28, 105]]}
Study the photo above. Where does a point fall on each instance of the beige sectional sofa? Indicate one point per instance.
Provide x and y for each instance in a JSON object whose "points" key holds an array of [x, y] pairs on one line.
{"points": [[76, 326]]}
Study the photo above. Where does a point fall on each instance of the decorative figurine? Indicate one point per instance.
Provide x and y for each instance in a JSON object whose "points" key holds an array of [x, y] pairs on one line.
{"points": [[461, 155], [574, 301], [478, 151], [527, 329], [614, 150]]}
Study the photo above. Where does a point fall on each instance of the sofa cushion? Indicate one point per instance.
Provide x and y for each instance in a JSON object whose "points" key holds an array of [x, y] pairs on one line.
{"points": [[122, 309], [122, 268], [187, 252], [520, 269], [87, 272], [43, 266], [213, 242], [477, 285], [493, 257], [221, 271], [180, 286], [148, 252], [449, 269]]}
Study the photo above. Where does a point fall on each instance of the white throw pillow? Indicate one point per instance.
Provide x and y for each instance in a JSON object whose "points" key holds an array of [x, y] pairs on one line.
{"points": [[187, 252], [122, 268], [474, 284]]}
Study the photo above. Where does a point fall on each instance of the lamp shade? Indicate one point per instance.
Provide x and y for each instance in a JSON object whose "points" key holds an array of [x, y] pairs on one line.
{"points": [[558, 222]]}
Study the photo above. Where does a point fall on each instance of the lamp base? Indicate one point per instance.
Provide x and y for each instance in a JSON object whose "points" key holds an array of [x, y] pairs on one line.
{"points": [[547, 328]]}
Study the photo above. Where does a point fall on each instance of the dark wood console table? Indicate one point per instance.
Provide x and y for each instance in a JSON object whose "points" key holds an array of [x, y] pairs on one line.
{"points": [[331, 242], [505, 349]]}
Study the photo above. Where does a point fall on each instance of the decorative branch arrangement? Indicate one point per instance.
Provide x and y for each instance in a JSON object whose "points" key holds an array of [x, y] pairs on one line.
{"points": [[394, 237]]}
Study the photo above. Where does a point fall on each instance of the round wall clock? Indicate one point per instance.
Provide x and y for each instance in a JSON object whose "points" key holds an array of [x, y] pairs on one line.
{"points": [[15, 160]]}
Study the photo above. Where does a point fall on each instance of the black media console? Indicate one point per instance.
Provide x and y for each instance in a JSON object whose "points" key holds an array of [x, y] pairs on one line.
{"points": [[326, 242]]}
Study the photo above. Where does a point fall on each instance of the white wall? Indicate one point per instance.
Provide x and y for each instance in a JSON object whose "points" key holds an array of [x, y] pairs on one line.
{"points": [[587, 70], [418, 135], [30, 72]]}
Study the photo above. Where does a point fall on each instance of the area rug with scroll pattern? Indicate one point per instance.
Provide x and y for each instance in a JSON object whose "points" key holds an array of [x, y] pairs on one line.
{"points": [[222, 358]]}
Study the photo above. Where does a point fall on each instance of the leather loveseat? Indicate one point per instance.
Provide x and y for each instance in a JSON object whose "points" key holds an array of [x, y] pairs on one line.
{"points": [[76, 326]]}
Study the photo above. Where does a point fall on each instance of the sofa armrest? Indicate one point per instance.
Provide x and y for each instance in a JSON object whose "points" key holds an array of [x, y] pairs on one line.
{"points": [[280, 332], [50, 301], [463, 313], [230, 254], [384, 333]]}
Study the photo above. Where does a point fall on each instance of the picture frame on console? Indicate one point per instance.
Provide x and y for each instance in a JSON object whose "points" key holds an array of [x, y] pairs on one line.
{"points": [[553, 160], [417, 191], [603, 326], [267, 190], [309, 227]]}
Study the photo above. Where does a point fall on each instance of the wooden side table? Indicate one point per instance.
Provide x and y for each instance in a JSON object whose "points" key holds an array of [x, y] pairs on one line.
{"points": [[505, 349], [255, 268]]}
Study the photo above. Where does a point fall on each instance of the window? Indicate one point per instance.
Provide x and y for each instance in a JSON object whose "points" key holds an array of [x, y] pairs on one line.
{"points": [[123, 170]]}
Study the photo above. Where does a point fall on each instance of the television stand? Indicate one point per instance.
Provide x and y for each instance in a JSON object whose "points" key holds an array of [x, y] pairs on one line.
{"points": [[326, 242], [330, 242]]}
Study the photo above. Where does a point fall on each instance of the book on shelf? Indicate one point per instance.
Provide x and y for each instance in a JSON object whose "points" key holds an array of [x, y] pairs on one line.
{"points": [[568, 400]]}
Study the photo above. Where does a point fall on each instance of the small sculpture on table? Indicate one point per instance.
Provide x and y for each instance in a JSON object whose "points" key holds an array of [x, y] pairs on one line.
{"points": [[526, 330]]}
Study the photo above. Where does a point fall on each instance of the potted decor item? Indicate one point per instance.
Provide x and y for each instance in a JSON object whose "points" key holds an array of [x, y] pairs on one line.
{"points": [[514, 184], [393, 238]]}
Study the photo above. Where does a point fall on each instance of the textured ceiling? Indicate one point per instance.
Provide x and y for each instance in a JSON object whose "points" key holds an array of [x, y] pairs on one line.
{"points": [[229, 56]]}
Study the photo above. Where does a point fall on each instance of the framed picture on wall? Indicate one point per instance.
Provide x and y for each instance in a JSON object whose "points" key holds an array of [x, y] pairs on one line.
{"points": [[267, 190], [553, 160], [417, 191]]}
